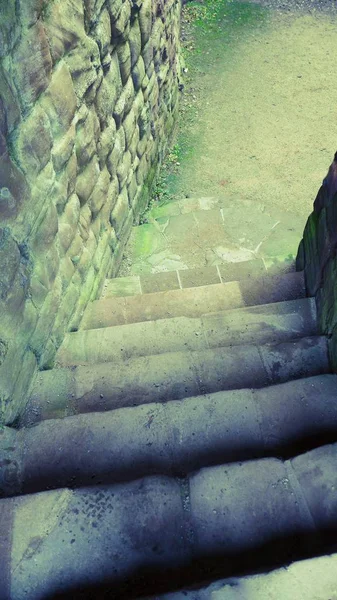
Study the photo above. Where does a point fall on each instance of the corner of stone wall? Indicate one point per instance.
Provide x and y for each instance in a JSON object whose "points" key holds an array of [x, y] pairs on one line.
{"points": [[88, 98], [317, 258]]}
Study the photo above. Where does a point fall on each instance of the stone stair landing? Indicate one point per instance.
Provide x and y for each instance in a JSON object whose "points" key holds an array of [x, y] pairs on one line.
{"points": [[195, 233], [187, 430]]}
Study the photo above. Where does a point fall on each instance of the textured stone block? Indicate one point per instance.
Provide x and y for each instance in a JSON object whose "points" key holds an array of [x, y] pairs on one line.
{"points": [[30, 10], [135, 41], [129, 126], [9, 261], [102, 31], [99, 193], [34, 142], [138, 73], [116, 155], [87, 180], [85, 139], [9, 105], [123, 169], [45, 230], [145, 20], [124, 58], [9, 27], [124, 102], [62, 149], [64, 24], [46, 319], [14, 188], [83, 63], [109, 91], [106, 141], [32, 65], [59, 101], [120, 212], [120, 28]]}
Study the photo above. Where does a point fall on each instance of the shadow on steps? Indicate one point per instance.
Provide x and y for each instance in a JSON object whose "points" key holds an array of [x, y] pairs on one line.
{"points": [[151, 582]]}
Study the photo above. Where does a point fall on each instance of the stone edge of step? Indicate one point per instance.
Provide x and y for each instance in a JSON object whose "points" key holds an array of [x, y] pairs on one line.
{"points": [[128, 309]]}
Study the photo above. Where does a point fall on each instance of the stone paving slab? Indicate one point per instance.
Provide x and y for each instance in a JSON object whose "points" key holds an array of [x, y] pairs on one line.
{"points": [[170, 280], [194, 233], [312, 579], [193, 302], [173, 438], [263, 324], [172, 376], [99, 535]]}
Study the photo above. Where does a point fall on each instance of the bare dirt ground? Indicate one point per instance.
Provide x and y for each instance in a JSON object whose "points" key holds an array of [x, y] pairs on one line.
{"points": [[259, 109]]}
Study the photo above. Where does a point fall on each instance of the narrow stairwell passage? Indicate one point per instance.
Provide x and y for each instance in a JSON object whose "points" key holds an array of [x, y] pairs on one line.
{"points": [[183, 434], [187, 431]]}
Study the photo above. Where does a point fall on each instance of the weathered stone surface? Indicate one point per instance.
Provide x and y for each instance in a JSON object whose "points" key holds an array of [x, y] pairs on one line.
{"points": [[73, 171], [64, 23], [116, 155], [114, 7], [9, 27], [83, 62], [102, 31], [120, 27], [59, 101], [85, 140], [108, 91], [123, 169], [120, 212], [9, 104], [124, 102], [145, 20], [14, 189], [46, 319], [30, 10], [135, 41], [92, 8], [87, 180], [9, 261], [34, 142], [45, 230], [99, 193], [32, 65], [138, 73], [106, 141], [130, 125], [124, 57], [63, 148]]}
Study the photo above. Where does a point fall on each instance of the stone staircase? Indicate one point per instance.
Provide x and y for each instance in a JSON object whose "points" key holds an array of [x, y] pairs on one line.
{"points": [[187, 431]]}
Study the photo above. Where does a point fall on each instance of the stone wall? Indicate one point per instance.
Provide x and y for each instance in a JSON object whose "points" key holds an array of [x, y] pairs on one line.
{"points": [[317, 256], [88, 98]]}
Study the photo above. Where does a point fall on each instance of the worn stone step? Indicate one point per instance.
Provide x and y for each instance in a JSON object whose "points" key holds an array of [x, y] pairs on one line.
{"points": [[279, 321], [314, 579], [227, 519], [172, 376], [173, 438], [218, 235], [193, 302], [174, 280]]}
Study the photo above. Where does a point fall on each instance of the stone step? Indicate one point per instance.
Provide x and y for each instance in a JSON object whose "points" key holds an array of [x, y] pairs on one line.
{"points": [[314, 579], [193, 302], [204, 238], [279, 321], [187, 278], [172, 439], [172, 376], [141, 534]]}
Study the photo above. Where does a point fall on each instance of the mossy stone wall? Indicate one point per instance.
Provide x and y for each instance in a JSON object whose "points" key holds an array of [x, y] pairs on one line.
{"points": [[317, 256], [88, 98]]}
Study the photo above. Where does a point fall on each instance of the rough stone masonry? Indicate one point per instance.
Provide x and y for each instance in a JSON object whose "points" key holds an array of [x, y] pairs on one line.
{"points": [[88, 98]]}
